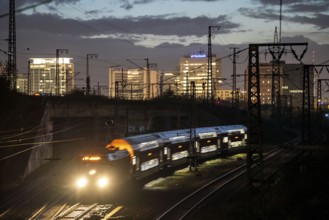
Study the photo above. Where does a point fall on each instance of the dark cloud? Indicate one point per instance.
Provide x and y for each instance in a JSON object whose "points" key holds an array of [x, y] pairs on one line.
{"points": [[181, 26], [309, 7], [319, 20], [296, 6], [202, 0], [169, 45], [260, 13], [23, 5], [143, 1], [126, 5], [285, 2], [156, 25]]}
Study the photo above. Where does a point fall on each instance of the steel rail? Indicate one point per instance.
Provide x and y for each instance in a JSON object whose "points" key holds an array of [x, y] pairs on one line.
{"points": [[80, 211], [196, 198]]}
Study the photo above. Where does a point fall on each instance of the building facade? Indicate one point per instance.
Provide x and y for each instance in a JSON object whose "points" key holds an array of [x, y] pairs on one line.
{"points": [[169, 82], [138, 84], [134, 84], [194, 68], [42, 76], [22, 84]]}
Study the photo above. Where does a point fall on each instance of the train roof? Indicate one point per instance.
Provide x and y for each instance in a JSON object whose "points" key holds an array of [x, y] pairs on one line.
{"points": [[137, 139], [231, 128]]}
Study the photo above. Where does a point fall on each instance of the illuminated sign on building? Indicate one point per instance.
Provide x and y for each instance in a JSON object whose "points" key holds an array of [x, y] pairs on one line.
{"points": [[198, 56]]}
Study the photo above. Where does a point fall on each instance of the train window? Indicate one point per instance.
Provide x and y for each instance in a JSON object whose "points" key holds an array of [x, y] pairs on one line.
{"points": [[180, 155], [208, 149], [165, 150], [225, 139], [149, 164], [148, 145], [134, 160], [115, 155]]}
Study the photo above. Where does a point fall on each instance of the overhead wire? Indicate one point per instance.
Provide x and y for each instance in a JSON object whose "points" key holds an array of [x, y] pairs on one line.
{"points": [[38, 145]]}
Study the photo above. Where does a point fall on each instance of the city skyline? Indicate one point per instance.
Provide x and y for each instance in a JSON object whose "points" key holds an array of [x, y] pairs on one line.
{"points": [[162, 31]]}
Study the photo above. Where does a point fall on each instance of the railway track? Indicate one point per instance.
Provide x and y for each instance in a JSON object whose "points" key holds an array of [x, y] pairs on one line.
{"points": [[183, 209], [77, 211]]}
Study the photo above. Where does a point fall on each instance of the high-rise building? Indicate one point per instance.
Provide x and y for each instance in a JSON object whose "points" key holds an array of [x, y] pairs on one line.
{"points": [[194, 68], [291, 84], [42, 76], [133, 84], [21, 83], [169, 83]]}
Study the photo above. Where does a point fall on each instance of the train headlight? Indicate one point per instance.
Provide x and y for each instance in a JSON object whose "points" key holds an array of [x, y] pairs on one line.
{"points": [[102, 182], [92, 172], [81, 182]]}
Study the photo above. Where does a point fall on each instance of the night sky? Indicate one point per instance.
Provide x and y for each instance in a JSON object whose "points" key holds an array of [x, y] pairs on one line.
{"points": [[161, 30]]}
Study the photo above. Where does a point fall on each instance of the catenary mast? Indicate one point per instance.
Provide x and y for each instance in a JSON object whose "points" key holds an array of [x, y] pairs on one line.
{"points": [[11, 66]]}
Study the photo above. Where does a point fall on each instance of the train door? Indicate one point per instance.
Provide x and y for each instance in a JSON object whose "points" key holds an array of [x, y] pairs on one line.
{"points": [[219, 142], [224, 145]]}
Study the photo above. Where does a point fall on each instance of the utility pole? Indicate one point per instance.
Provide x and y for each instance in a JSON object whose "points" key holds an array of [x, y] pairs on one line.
{"points": [[255, 162], [91, 56], [276, 52], [234, 91], [29, 78], [193, 158], [319, 94], [148, 79], [11, 67], [59, 51], [210, 85], [280, 21], [123, 84]]}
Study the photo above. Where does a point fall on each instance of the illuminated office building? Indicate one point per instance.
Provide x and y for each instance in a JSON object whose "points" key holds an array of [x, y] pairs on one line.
{"points": [[21, 83], [170, 82], [134, 84], [194, 68], [42, 76]]}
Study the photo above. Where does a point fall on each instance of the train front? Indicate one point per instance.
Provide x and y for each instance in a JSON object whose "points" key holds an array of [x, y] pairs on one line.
{"points": [[94, 173]]}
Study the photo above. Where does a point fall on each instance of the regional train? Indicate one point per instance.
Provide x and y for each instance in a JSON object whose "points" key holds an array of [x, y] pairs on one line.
{"points": [[142, 155]]}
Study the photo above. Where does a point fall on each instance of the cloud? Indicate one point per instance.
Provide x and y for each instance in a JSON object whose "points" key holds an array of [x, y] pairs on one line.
{"points": [[155, 25], [143, 1], [286, 2], [126, 5], [260, 13], [309, 7], [201, 0], [297, 6], [319, 20]]}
